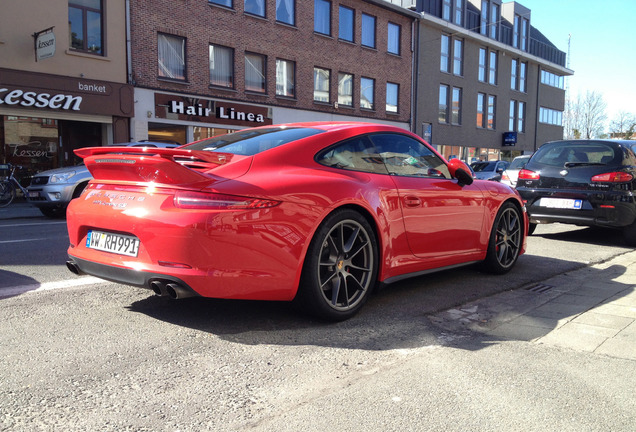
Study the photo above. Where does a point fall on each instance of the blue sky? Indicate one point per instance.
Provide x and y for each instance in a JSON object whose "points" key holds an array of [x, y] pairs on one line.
{"points": [[602, 46]]}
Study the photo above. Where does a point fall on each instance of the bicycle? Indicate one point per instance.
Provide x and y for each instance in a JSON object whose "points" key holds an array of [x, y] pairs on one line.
{"points": [[9, 184]]}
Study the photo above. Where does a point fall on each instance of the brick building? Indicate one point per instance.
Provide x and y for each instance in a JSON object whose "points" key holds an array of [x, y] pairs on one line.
{"points": [[202, 67]]}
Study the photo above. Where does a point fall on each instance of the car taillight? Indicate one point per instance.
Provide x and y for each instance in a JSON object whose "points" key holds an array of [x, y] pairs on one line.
{"points": [[613, 177], [214, 201], [505, 177], [525, 174]]}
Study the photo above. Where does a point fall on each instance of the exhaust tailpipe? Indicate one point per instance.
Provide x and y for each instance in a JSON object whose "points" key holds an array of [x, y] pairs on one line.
{"points": [[159, 288], [73, 268], [176, 291]]}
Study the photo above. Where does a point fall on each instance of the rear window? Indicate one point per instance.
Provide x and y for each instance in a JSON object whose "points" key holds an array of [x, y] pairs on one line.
{"points": [[252, 141], [577, 153], [518, 163], [484, 166]]}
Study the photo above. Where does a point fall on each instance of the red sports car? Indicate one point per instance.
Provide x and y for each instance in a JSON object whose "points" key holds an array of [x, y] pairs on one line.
{"points": [[318, 213]]}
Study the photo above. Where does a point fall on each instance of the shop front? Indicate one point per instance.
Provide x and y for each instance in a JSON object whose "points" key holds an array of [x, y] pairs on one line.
{"points": [[43, 118]]}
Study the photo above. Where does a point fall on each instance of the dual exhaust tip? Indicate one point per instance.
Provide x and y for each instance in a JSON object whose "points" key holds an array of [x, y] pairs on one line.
{"points": [[161, 287]]}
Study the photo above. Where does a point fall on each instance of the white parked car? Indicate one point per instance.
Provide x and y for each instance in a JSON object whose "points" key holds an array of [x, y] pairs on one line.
{"points": [[511, 173]]}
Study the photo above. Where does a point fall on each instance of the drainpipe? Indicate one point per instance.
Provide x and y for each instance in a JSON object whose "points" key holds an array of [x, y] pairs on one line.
{"points": [[538, 111], [415, 31]]}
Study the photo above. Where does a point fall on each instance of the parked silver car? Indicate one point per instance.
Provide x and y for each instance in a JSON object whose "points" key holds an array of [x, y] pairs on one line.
{"points": [[511, 173], [489, 170], [51, 191]]}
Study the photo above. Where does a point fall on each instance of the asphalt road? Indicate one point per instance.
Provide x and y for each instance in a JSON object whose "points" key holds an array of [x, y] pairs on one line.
{"points": [[105, 357]]}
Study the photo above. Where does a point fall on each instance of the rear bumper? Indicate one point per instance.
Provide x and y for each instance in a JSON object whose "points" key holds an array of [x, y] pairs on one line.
{"points": [[614, 209]]}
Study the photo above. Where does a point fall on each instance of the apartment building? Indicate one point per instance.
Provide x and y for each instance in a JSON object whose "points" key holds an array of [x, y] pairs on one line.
{"points": [[206, 67], [489, 85], [63, 81]]}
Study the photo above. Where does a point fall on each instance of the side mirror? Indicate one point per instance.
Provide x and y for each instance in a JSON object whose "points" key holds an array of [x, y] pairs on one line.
{"points": [[460, 171]]}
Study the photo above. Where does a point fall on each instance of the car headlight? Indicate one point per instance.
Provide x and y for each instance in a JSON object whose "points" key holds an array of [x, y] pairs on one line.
{"points": [[62, 178]]}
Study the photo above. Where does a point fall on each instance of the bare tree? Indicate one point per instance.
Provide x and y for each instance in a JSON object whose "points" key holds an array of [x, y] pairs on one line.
{"points": [[623, 125], [594, 115], [572, 124]]}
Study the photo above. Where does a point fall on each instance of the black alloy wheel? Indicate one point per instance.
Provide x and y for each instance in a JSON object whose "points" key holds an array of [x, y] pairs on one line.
{"points": [[505, 240], [341, 267]]}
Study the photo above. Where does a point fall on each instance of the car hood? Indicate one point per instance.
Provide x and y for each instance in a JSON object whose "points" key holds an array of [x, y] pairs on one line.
{"points": [[77, 168]]}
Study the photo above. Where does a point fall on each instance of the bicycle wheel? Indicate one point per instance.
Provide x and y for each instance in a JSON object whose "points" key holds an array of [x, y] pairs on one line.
{"points": [[7, 193]]}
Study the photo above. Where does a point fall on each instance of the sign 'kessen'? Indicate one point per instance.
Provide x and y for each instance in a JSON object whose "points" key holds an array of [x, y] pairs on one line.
{"points": [[39, 100]]}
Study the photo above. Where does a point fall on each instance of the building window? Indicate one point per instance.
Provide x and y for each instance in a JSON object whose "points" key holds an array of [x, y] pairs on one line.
{"points": [[494, 21], [286, 11], [392, 97], [393, 43], [483, 18], [285, 78], [171, 57], [517, 120], [368, 30], [346, 20], [458, 55], [444, 65], [321, 85], [367, 93], [443, 104], [226, 3], [553, 80], [520, 33], [255, 7], [492, 106], [456, 106], [524, 34], [483, 64], [322, 17], [345, 89], [221, 66], [255, 67], [85, 22], [518, 76], [481, 110], [492, 68], [446, 10], [550, 116], [459, 12]]}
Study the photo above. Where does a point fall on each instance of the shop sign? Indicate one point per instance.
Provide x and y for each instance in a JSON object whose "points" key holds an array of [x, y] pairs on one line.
{"points": [[39, 100], [209, 111], [509, 139], [44, 45]]}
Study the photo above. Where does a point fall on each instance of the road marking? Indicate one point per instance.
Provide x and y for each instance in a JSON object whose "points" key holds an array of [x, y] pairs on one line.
{"points": [[24, 240], [48, 286], [33, 224]]}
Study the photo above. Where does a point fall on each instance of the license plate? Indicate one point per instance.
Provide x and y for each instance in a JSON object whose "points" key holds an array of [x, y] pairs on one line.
{"points": [[115, 243], [34, 194], [561, 203]]}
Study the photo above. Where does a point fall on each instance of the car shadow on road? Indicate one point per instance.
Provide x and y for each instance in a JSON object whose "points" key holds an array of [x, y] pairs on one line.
{"points": [[406, 315], [588, 235], [17, 284]]}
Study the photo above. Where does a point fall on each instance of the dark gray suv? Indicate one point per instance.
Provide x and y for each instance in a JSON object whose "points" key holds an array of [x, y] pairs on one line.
{"points": [[582, 182]]}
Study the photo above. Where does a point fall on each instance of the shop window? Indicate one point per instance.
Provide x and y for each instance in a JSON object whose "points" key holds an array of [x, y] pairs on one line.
{"points": [[85, 26], [167, 133], [171, 57]]}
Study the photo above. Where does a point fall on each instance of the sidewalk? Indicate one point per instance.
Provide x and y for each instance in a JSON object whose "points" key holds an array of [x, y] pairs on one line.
{"points": [[19, 209], [592, 309]]}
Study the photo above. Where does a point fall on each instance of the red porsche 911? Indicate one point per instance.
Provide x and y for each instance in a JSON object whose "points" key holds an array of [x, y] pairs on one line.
{"points": [[318, 213]]}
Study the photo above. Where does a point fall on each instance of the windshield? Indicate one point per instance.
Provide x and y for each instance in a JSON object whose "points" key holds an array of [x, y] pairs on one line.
{"points": [[252, 141], [484, 166], [518, 163]]}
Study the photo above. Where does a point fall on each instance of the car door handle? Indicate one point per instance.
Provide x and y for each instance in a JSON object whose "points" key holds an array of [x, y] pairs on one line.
{"points": [[412, 201]]}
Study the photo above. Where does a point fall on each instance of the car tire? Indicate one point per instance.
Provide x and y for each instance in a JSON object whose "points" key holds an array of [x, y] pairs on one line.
{"points": [[629, 233], [531, 228], [506, 239], [340, 270], [53, 212]]}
